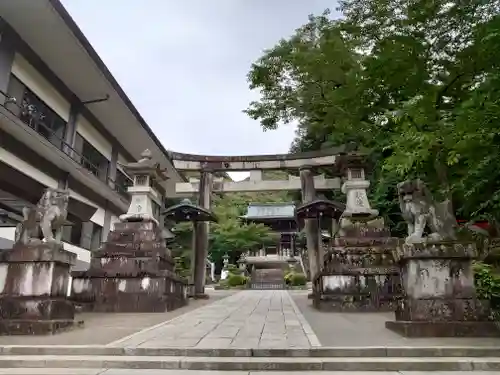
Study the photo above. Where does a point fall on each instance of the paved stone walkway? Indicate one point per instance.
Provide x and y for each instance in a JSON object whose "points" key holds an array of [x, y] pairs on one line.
{"points": [[103, 328], [248, 319]]}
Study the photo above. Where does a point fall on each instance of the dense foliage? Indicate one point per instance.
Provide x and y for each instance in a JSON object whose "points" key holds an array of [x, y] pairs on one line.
{"points": [[487, 283], [295, 279], [415, 83]]}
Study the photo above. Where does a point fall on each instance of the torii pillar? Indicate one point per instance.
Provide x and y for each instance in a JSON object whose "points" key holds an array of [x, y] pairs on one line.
{"points": [[311, 226], [201, 231]]}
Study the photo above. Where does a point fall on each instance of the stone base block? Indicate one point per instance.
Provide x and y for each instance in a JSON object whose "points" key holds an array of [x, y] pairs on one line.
{"points": [[443, 309], [15, 308], [176, 302], [200, 296], [343, 303], [444, 329], [130, 303], [37, 327], [124, 295]]}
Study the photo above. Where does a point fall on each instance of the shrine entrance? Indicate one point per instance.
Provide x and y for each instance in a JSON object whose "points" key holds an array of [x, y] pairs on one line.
{"points": [[343, 165], [268, 279]]}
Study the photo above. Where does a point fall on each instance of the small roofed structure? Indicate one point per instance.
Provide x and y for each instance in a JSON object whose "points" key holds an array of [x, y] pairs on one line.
{"points": [[186, 211], [320, 208]]}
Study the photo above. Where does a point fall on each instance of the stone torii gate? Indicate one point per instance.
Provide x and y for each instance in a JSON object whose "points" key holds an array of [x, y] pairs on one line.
{"points": [[306, 163]]}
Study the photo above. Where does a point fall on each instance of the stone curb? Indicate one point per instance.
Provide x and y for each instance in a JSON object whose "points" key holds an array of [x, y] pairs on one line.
{"points": [[256, 364], [332, 352], [311, 336]]}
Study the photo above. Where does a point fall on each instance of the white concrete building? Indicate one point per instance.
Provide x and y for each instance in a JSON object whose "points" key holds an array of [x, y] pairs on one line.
{"points": [[64, 122]]}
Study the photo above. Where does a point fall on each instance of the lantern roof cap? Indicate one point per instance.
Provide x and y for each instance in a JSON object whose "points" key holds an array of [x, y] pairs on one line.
{"points": [[147, 166]]}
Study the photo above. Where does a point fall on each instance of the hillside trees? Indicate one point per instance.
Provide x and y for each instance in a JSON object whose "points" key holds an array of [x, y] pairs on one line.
{"points": [[414, 82]]}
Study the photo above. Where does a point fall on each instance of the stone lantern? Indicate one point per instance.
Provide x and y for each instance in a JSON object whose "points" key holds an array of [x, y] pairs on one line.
{"points": [[145, 199], [242, 261], [134, 271], [354, 187], [225, 260]]}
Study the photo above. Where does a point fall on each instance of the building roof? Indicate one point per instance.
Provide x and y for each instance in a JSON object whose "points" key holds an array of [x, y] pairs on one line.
{"points": [[53, 35], [270, 211]]}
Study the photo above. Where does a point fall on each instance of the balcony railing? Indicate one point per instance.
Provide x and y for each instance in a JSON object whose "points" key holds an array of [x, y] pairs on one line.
{"points": [[33, 118]]}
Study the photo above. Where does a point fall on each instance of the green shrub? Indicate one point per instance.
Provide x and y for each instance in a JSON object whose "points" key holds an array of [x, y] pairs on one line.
{"points": [[236, 280], [488, 286], [295, 279], [298, 279], [235, 270], [487, 282]]}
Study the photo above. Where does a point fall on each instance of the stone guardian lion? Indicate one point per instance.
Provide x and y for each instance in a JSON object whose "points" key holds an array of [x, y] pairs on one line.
{"points": [[49, 216], [420, 211]]}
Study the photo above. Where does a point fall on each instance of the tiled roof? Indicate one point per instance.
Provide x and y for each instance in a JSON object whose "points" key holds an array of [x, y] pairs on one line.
{"points": [[270, 210]]}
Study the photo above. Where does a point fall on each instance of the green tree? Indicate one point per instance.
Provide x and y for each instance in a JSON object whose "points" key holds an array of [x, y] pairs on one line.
{"points": [[415, 82]]}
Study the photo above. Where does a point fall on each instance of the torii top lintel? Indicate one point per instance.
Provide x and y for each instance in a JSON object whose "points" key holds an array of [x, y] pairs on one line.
{"points": [[192, 162]]}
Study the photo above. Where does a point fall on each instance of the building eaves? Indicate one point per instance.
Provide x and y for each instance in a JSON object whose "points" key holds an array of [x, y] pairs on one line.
{"points": [[68, 20]]}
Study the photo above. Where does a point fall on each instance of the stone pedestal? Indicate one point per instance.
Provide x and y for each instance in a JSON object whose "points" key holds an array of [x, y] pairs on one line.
{"points": [[439, 294], [359, 273], [132, 272], [34, 283]]}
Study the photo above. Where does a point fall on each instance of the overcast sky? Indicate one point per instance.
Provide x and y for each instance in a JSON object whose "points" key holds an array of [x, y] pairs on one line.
{"points": [[183, 63]]}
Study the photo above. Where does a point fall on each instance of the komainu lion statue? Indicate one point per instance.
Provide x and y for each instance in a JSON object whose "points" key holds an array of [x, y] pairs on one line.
{"points": [[49, 216], [420, 211]]}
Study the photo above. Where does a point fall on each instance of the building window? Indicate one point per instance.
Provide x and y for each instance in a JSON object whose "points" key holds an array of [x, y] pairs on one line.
{"points": [[84, 234], [122, 182], [95, 242], [88, 156], [35, 112]]}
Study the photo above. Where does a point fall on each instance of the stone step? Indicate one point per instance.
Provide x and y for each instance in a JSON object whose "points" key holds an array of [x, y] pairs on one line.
{"points": [[21, 371], [317, 352], [59, 371], [254, 363]]}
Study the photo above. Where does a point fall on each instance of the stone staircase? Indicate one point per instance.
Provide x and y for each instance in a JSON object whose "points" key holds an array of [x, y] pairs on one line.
{"points": [[94, 360], [272, 278]]}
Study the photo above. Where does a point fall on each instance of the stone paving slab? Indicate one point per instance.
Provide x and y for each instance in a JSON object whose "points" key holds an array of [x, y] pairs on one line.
{"points": [[368, 329], [59, 371], [103, 328], [248, 319]]}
